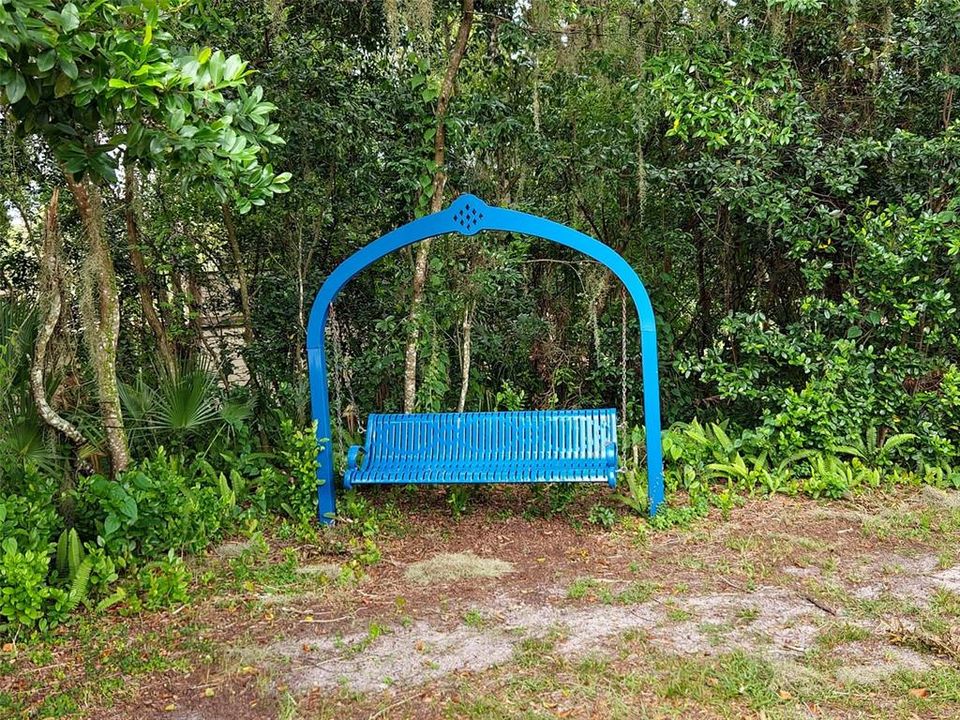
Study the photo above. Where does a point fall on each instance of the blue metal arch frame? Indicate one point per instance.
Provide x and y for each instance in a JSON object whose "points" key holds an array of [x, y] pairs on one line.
{"points": [[468, 215]]}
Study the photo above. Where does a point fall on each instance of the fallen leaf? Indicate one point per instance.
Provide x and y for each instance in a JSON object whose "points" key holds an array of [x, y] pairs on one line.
{"points": [[8, 647], [784, 695], [209, 692], [919, 692], [248, 670], [170, 707]]}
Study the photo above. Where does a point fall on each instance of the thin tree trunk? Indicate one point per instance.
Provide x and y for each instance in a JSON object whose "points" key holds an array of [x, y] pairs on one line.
{"points": [[241, 274], [131, 211], [465, 360], [436, 202], [100, 304], [51, 300], [947, 100], [26, 221], [703, 293]]}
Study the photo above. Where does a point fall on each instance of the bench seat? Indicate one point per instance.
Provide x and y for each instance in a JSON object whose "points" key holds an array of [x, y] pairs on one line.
{"points": [[497, 447]]}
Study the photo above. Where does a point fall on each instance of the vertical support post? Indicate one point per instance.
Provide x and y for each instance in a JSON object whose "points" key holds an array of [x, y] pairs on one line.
{"points": [[320, 403], [651, 416]]}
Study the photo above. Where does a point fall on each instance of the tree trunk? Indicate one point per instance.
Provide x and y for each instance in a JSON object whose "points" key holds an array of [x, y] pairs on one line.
{"points": [[947, 100], [241, 274], [51, 298], [436, 202], [130, 211], [100, 305], [465, 360]]}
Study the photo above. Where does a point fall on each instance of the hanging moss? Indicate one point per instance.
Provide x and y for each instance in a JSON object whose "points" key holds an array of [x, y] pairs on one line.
{"points": [[392, 11]]}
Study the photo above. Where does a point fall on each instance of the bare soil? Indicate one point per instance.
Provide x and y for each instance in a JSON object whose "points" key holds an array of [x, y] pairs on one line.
{"points": [[812, 588]]}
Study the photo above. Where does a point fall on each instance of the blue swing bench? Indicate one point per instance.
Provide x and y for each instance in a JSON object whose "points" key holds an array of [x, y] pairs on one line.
{"points": [[529, 447], [478, 447]]}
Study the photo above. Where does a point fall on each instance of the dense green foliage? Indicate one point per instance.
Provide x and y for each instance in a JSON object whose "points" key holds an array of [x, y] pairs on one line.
{"points": [[783, 176]]}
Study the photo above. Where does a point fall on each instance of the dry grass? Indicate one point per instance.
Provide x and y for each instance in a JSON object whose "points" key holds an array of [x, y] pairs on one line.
{"points": [[451, 567]]}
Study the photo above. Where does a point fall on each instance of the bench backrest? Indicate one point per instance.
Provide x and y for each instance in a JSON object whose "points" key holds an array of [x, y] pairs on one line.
{"points": [[493, 436]]}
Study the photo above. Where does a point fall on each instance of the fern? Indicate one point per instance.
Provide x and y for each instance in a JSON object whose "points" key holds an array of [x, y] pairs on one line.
{"points": [[69, 553], [118, 596], [895, 441], [78, 589], [636, 500]]}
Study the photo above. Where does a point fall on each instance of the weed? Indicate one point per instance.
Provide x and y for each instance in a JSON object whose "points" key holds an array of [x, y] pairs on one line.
{"points": [[602, 516], [474, 619]]}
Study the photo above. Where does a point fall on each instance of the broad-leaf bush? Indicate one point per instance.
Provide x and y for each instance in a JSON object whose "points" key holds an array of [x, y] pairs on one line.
{"points": [[134, 528]]}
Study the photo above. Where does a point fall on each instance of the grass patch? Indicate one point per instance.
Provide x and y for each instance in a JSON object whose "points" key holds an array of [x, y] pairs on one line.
{"points": [[475, 619], [597, 590], [833, 635]]}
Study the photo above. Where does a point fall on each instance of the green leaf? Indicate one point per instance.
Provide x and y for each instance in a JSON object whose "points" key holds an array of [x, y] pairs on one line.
{"points": [[233, 68], [118, 83], [69, 67], [176, 118], [216, 67], [70, 17], [190, 70], [16, 88], [854, 332], [128, 506], [47, 60], [86, 40], [62, 86], [204, 55], [111, 524]]}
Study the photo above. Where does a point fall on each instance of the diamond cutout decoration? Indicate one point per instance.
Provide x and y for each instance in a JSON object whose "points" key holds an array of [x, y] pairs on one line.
{"points": [[468, 217]]}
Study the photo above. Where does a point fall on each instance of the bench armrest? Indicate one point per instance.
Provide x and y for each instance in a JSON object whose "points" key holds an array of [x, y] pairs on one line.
{"points": [[610, 453], [353, 457], [610, 457]]}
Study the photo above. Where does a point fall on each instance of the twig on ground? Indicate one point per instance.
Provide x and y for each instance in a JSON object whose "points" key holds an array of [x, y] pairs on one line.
{"points": [[820, 604], [382, 711], [732, 584]]}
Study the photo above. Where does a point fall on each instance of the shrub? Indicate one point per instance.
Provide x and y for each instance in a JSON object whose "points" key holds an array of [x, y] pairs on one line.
{"points": [[159, 504], [26, 599], [164, 583], [291, 486]]}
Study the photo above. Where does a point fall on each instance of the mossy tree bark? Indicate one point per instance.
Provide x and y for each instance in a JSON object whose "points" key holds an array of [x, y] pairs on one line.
{"points": [[465, 359], [100, 308], [51, 302]]}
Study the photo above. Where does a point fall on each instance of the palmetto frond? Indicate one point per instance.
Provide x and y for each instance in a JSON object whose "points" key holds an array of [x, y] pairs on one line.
{"points": [[185, 399]]}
